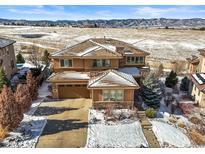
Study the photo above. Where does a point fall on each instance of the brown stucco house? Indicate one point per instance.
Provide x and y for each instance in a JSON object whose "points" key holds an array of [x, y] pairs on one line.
{"points": [[102, 69], [7, 56], [196, 74]]}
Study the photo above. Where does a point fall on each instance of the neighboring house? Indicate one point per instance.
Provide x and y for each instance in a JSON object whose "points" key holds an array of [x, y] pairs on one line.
{"points": [[101, 69], [196, 74], [193, 63], [7, 56]]}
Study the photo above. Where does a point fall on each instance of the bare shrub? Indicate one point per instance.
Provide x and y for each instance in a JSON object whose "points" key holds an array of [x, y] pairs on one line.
{"points": [[181, 125], [3, 133], [108, 110], [194, 120], [23, 98], [32, 85], [200, 127], [10, 112], [196, 137], [172, 120]]}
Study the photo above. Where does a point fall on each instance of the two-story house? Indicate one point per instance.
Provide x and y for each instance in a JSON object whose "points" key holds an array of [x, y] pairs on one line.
{"points": [[101, 69], [7, 56], [196, 74]]}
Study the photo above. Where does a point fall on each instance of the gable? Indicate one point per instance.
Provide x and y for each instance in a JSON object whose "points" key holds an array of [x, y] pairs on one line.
{"points": [[111, 79]]}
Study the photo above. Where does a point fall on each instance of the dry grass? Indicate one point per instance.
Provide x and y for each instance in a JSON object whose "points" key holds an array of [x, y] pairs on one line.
{"points": [[3, 133], [181, 125], [172, 120], [194, 120], [196, 137], [165, 45]]}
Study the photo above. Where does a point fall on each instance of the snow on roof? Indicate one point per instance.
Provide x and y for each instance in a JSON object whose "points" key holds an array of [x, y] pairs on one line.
{"points": [[106, 46], [71, 75], [110, 47], [29, 65], [113, 78], [134, 71], [199, 77], [5, 42], [88, 50]]}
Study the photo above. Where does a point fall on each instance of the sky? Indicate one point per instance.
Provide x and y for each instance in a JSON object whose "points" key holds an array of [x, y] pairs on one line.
{"points": [[91, 12]]}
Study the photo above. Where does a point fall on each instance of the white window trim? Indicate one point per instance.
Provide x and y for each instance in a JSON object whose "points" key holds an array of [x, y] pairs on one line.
{"points": [[123, 94], [65, 66], [134, 63], [101, 61]]}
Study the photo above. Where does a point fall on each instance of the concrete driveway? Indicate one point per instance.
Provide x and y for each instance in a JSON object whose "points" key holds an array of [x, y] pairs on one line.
{"points": [[67, 123]]}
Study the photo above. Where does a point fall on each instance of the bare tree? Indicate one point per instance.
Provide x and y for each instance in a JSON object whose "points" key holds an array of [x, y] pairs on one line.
{"points": [[160, 70], [35, 56]]}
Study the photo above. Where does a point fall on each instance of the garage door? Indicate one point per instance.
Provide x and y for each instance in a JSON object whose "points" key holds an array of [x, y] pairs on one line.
{"points": [[73, 91]]}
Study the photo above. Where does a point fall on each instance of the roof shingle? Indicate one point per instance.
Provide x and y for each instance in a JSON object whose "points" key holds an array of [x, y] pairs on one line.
{"points": [[5, 42]]}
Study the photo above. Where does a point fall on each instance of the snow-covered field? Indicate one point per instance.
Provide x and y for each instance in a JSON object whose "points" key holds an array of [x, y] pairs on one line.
{"points": [[122, 134], [31, 127], [161, 43]]}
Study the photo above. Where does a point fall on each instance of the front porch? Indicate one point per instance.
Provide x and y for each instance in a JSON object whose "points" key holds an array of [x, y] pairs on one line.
{"points": [[114, 105]]}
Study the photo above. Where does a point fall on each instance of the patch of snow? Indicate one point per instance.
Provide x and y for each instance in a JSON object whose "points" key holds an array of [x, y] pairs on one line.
{"points": [[43, 91], [75, 75], [82, 38], [88, 50], [128, 135], [26, 136], [95, 115], [108, 46], [122, 134], [30, 128], [168, 134]]}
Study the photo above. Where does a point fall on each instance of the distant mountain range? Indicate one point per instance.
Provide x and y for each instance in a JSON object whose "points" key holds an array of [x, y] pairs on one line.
{"points": [[194, 23]]}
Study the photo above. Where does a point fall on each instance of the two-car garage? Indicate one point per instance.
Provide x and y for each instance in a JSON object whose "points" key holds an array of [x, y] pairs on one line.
{"points": [[73, 91], [70, 85]]}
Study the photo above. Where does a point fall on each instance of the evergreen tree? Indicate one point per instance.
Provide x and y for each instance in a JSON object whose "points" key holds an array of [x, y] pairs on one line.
{"points": [[151, 91], [184, 86], [10, 113], [3, 79], [171, 80], [46, 58], [19, 58]]}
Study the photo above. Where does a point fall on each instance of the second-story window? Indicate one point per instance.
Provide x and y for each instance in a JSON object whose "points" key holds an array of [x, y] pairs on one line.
{"points": [[66, 63], [101, 63], [135, 60]]}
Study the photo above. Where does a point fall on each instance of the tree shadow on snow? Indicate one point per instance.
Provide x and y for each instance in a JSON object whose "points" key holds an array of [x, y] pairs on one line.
{"points": [[56, 126], [46, 110]]}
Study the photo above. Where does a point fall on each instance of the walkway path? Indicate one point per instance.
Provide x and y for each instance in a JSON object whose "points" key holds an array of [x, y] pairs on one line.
{"points": [[147, 130]]}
